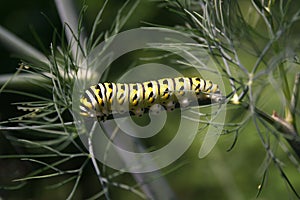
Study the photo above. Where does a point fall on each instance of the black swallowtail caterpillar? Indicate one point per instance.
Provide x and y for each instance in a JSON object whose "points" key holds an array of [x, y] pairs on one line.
{"points": [[106, 99]]}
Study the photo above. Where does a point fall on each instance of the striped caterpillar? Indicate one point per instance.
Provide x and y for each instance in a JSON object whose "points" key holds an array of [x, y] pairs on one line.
{"points": [[106, 99]]}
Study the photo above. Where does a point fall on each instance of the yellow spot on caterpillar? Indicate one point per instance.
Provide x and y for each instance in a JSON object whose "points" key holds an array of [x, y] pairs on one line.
{"points": [[84, 114], [86, 103]]}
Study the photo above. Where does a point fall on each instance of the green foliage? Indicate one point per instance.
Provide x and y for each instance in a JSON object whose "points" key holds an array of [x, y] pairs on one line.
{"points": [[253, 45], [223, 27]]}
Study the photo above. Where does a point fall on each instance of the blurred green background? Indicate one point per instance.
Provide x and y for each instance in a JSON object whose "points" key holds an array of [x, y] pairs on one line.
{"points": [[221, 175]]}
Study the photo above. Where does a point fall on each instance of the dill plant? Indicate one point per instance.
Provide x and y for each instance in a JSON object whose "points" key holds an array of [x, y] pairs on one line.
{"points": [[227, 30], [47, 129], [263, 32]]}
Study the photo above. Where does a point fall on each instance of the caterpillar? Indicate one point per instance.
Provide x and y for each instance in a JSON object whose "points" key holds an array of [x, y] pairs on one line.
{"points": [[106, 99]]}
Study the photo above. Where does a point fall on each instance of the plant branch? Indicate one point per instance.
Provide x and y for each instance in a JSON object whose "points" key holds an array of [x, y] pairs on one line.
{"points": [[69, 16], [15, 44], [152, 189], [280, 125], [294, 98]]}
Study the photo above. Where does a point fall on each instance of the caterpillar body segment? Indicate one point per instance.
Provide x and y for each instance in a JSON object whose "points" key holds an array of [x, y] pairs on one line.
{"points": [[105, 100]]}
